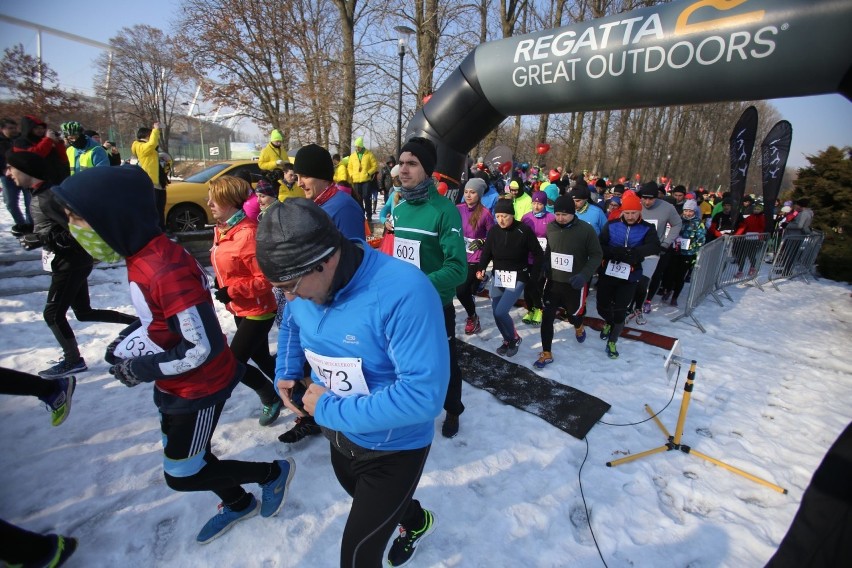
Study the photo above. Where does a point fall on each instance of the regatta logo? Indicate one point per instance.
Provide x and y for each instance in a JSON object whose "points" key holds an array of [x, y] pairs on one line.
{"points": [[683, 26], [642, 44]]}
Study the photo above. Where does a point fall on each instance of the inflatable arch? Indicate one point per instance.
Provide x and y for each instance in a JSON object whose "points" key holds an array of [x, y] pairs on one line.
{"points": [[684, 52]]}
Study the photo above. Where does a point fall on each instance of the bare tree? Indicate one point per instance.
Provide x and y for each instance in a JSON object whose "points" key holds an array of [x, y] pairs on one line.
{"points": [[34, 87], [243, 47], [143, 76]]}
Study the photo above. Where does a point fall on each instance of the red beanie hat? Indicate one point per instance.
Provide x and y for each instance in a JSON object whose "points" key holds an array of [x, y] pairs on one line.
{"points": [[629, 202]]}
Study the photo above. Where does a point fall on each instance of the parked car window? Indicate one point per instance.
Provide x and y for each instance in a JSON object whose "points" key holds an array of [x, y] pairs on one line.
{"points": [[207, 174]]}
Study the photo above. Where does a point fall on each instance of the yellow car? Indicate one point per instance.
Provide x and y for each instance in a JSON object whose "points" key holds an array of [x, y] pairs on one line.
{"points": [[186, 201]]}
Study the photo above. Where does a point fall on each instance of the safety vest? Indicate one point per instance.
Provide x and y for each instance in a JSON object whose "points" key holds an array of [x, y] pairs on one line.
{"points": [[81, 162]]}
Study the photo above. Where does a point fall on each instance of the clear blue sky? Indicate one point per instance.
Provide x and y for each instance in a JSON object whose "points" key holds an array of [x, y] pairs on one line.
{"points": [[817, 121]]}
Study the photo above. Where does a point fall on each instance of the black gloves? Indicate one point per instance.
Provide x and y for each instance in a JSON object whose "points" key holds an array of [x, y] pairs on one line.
{"points": [[109, 356], [30, 241], [125, 374], [475, 245], [222, 295], [577, 281]]}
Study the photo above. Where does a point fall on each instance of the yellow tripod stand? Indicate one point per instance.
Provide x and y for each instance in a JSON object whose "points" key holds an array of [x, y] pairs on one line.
{"points": [[674, 442]]}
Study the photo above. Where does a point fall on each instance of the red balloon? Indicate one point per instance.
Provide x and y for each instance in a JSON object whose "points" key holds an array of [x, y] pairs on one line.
{"points": [[622, 179], [505, 167], [443, 188], [553, 175], [426, 98], [542, 148], [637, 176]]}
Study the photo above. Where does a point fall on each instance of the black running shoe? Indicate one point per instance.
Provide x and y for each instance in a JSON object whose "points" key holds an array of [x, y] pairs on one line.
{"points": [[305, 426], [405, 545]]}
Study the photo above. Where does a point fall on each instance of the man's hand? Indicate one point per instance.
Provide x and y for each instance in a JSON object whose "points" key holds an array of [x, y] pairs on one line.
{"points": [[285, 391], [309, 401], [125, 374], [577, 281], [279, 162], [156, 125]]}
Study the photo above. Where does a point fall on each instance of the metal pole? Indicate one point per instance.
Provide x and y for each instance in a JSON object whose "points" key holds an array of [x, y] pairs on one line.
{"points": [[399, 102], [201, 134]]}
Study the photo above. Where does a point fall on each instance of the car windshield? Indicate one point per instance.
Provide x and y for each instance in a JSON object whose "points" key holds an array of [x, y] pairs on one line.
{"points": [[205, 175]]}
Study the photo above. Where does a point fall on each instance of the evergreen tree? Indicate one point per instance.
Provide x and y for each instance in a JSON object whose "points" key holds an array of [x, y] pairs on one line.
{"points": [[828, 185]]}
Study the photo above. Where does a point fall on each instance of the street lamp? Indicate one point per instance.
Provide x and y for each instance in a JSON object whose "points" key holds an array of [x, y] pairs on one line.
{"points": [[404, 32]]}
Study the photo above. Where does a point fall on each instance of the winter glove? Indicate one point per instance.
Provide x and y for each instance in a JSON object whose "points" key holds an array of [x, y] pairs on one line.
{"points": [[222, 295], [125, 374], [30, 241], [476, 244], [110, 356], [577, 281], [279, 162]]}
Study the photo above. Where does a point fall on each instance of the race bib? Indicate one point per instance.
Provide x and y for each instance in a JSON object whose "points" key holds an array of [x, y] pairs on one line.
{"points": [[682, 243], [137, 344], [47, 260], [652, 221], [341, 375], [407, 250], [563, 262], [542, 242], [505, 278], [618, 270]]}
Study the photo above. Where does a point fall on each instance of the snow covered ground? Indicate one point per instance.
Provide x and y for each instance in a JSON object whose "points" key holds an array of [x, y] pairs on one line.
{"points": [[772, 393]]}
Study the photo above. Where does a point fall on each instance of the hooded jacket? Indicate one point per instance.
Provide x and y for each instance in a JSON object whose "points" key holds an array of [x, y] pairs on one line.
{"points": [[51, 150], [362, 167], [270, 155], [189, 362]]}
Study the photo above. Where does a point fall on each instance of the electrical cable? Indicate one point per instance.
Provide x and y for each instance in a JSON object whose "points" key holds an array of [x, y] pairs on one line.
{"points": [[580, 471]]}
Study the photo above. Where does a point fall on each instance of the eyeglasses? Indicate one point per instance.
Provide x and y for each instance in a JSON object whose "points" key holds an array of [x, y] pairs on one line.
{"points": [[291, 289]]}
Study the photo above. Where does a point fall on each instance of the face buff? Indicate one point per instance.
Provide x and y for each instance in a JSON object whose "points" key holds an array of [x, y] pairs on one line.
{"points": [[93, 244]]}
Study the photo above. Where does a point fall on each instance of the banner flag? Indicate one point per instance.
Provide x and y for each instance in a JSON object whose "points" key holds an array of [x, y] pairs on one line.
{"points": [[742, 144], [773, 156]]}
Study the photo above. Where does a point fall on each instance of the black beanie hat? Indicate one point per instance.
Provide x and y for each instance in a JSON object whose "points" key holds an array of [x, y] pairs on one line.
{"points": [[28, 162], [580, 193], [314, 161], [294, 237], [425, 151], [564, 204], [504, 206], [650, 189]]}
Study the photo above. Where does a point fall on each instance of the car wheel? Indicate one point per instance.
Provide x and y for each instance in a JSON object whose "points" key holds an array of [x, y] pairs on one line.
{"points": [[186, 217]]}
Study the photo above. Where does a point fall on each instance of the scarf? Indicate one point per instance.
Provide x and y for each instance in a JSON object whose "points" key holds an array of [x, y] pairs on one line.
{"points": [[420, 192], [327, 194], [233, 220]]}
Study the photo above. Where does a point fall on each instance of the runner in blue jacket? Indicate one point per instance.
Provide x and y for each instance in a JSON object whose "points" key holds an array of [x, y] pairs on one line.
{"points": [[379, 362]]}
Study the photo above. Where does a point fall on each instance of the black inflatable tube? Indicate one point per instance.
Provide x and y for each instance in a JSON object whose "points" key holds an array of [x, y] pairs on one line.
{"points": [[683, 52]]}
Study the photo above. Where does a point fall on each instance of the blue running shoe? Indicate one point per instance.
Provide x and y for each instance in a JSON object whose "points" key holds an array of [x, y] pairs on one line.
{"points": [[225, 519], [59, 401], [275, 491], [62, 368], [611, 351], [545, 358], [580, 333], [270, 413]]}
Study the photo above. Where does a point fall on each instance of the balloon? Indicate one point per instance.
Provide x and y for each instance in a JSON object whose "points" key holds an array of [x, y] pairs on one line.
{"points": [[426, 98], [622, 179], [542, 148], [442, 188], [553, 175], [637, 176], [525, 166], [505, 167]]}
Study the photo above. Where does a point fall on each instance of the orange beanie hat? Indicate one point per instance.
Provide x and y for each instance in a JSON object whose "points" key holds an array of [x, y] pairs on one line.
{"points": [[629, 202]]}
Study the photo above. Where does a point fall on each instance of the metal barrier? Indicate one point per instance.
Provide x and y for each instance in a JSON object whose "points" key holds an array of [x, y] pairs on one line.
{"points": [[796, 257], [742, 263], [705, 275]]}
